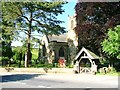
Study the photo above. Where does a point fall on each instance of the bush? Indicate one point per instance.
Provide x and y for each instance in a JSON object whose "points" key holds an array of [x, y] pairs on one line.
{"points": [[113, 70], [0, 61], [49, 66], [107, 70], [5, 61], [34, 54], [69, 66], [14, 65]]}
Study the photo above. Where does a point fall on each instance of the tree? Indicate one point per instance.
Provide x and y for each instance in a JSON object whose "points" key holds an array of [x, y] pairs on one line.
{"points": [[31, 16], [93, 20], [7, 34], [111, 45], [7, 37], [18, 54], [7, 52]]}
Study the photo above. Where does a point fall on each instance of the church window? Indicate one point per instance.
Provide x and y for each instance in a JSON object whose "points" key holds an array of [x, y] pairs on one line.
{"points": [[44, 50]]}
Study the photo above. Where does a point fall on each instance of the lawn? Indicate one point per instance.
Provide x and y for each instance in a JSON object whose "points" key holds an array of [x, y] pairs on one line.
{"points": [[110, 74], [34, 53]]}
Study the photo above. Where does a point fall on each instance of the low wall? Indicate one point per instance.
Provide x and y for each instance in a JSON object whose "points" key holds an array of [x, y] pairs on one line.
{"points": [[38, 70]]}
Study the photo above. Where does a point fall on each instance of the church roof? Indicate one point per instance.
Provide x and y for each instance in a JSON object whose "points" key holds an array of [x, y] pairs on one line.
{"points": [[57, 38], [90, 54]]}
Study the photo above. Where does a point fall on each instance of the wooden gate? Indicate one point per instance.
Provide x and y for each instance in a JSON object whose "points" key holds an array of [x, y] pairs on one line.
{"points": [[85, 70], [85, 65]]}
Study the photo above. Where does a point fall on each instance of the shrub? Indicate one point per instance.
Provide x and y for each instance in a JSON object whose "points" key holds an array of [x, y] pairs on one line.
{"points": [[69, 66], [5, 61]]}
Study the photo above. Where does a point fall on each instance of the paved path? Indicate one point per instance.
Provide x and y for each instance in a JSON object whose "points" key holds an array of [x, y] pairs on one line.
{"points": [[58, 81]]}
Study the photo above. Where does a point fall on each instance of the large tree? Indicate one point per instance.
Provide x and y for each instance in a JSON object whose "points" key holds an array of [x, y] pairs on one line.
{"points": [[93, 21], [6, 36], [31, 16], [111, 45]]}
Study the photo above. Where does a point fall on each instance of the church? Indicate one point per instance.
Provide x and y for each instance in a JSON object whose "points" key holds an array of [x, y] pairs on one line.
{"points": [[56, 48], [62, 46]]}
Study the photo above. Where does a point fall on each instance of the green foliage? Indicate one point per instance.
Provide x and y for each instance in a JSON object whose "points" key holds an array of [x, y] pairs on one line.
{"points": [[18, 54], [6, 50], [5, 58], [69, 66], [111, 45], [72, 51], [8, 29], [49, 65], [42, 14], [40, 65], [6, 53], [31, 16], [105, 63], [4, 61], [34, 54], [56, 65], [7, 34], [93, 21], [112, 72]]}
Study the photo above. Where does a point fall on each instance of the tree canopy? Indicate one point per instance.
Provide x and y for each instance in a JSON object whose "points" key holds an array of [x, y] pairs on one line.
{"points": [[41, 15], [93, 21], [31, 16], [111, 45]]}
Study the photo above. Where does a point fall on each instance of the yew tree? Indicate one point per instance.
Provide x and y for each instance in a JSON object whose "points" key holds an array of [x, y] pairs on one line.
{"points": [[93, 20], [31, 16], [6, 36]]}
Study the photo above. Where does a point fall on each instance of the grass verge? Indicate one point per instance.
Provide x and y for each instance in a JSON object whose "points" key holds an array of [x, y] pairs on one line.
{"points": [[110, 74]]}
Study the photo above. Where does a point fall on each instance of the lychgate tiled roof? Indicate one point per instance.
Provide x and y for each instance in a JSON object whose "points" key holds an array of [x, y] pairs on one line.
{"points": [[90, 54]]}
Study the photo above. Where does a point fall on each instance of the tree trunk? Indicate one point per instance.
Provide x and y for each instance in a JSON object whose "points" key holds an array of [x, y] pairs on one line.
{"points": [[28, 49], [28, 54], [28, 45]]}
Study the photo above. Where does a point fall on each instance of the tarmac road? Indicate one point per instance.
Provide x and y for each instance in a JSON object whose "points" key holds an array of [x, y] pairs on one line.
{"points": [[58, 81]]}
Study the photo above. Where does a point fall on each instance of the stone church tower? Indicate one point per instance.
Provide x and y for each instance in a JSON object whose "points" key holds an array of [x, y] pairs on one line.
{"points": [[72, 38], [71, 31]]}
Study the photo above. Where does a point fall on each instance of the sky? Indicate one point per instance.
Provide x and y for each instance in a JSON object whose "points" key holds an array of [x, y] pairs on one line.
{"points": [[69, 10]]}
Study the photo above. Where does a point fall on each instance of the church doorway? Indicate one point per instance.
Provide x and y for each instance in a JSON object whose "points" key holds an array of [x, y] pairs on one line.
{"points": [[61, 52]]}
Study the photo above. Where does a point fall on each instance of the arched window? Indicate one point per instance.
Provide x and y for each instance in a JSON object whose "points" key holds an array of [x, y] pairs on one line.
{"points": [[44, 50], [61, 52]]}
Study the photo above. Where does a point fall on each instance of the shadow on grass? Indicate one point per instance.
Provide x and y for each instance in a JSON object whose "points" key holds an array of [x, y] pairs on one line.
{"points": [[18, 77]]}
